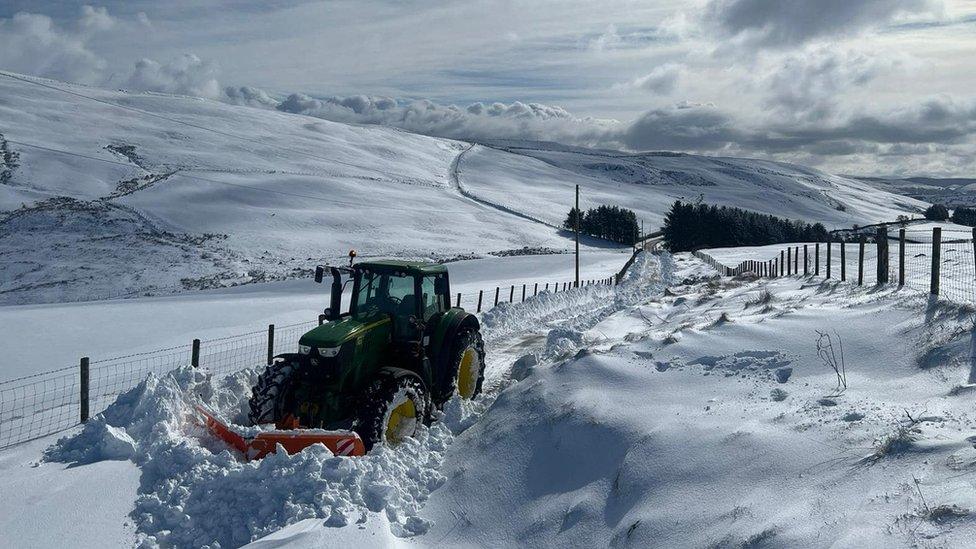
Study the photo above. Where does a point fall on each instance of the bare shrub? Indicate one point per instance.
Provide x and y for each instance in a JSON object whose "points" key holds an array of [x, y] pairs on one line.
{"points": [[827, 355]]}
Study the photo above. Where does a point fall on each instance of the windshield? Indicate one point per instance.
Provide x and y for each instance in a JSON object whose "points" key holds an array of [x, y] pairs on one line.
{"points": [[384, 294]]}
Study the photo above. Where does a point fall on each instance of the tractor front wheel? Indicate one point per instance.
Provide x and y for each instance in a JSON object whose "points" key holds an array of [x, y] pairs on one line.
{"points": [[267, 397], [467, 366], [392, 409]]}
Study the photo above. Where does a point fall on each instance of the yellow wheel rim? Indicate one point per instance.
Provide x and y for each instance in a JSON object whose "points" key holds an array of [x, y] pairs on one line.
{"points": [[402, 422], [468, 372]]}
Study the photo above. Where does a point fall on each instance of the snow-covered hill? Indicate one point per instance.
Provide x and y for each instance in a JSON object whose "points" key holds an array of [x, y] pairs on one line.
{"points": [[112, 192]]}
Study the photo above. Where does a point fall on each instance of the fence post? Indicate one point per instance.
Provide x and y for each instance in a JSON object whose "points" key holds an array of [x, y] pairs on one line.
{"points": [[828, 257], [497, 289], [936, 259], [901, 256], [860, 261], [458, 304], [780, 269], [481, 294], [84, 388], [195, 354], [882, 238], [789, 261], [523, 293], [564, 286], [511, 294], [270, 343], [843, 260], [535, 289], [816, 259], [806, 262], [796, 260]]}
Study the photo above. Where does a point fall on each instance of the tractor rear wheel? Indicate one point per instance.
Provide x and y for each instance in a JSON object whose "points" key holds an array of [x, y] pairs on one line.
{"points": [[267, 397], [392, 409], [467, 365]]}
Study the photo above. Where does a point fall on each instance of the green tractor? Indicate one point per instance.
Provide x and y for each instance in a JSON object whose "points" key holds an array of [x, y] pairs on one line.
{"points": [[378, 370]]}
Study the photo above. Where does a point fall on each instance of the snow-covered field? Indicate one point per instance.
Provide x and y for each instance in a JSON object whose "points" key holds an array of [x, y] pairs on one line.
{"points": [[677, 409], [109, 192]]}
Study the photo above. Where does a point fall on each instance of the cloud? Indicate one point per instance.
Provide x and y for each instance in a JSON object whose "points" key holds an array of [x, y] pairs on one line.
{"points": [[186, 75], [810, 85], [792, 22], [685, 127], [32, 43], [250, 96], [661, 81], [516, 120]]}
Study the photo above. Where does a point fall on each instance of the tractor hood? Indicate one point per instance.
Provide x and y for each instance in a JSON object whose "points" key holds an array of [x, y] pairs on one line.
{"points": [[337, 332]]}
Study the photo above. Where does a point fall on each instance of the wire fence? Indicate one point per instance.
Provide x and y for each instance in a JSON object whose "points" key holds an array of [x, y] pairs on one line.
{"points": [[939, 261], [48, 402]]}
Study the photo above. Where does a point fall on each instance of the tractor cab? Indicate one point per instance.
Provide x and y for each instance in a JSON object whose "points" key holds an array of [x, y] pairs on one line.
{"points": [[409, 293]]}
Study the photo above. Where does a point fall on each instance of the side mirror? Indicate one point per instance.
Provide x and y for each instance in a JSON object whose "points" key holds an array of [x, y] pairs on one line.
{"points": [[319, 273]]}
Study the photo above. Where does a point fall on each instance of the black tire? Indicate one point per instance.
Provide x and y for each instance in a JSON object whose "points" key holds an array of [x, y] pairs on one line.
{"points": [[379, 404], [267, 397], [467, 339]]}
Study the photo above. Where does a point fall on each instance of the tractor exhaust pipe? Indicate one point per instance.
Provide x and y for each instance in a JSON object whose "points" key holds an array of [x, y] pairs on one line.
{"points": [[335, 305]]}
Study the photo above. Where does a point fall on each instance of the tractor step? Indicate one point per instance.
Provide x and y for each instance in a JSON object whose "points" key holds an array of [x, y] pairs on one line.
{"points": [[341, 443]]}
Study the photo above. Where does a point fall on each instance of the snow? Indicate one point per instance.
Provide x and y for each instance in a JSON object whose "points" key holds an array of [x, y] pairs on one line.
{"points": [[195, 492], [160, 194]]}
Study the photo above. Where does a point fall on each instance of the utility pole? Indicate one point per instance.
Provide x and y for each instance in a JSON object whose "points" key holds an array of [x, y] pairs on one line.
{"points": [[576, 227]]}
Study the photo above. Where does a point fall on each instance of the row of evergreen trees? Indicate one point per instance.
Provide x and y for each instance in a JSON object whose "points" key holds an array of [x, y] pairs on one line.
{"points": [[694, 226], [607, 222], [960, 215]]}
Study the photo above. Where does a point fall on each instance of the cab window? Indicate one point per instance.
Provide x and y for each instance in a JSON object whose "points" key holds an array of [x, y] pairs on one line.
{"points": [[431, 301]]}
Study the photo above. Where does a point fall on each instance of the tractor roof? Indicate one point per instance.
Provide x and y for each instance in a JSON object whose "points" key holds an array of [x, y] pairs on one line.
{"points": [[412, 267]]}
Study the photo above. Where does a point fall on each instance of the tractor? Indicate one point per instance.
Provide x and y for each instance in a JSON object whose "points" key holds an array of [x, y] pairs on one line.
{"points": [[372, 374]]}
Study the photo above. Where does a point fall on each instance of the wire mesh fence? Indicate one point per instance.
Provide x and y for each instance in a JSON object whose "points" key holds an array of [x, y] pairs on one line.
{"points": [[42, 404], [939, 261]]}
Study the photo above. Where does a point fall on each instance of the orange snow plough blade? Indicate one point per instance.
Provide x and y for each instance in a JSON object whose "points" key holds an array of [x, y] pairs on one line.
{"points": [[341, 443]]}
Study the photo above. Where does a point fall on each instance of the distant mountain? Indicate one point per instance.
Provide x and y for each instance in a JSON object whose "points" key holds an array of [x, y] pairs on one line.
{"points": [[953, 191]]}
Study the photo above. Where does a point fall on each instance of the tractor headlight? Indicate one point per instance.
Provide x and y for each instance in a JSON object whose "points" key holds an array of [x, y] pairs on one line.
{"points": [[304, 349], [328, 352]]}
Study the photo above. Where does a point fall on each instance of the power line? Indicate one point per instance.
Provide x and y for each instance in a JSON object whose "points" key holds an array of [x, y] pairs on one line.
{"points": [[185, 175]]}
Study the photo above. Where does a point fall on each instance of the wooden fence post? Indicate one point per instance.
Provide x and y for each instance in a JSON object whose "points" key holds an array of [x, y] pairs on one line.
{"points": [[843, 260], [481, 293], [816, 259], [860, 261], [270, 343], [828, 257], [497, 289], [901, 257], [936, 260], [195, 354], [84, 388], [789, 261], [780, 268], [806, 263], [458, 304], [511, 294], [796, 260], [523, 292], [882, 238]]}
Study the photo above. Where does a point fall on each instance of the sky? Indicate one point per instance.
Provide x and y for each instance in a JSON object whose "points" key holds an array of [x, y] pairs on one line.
{"points": [[863, 87]]}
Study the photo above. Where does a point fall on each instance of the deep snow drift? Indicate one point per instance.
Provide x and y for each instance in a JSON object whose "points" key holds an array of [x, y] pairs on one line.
{"points": [[194, 492]]}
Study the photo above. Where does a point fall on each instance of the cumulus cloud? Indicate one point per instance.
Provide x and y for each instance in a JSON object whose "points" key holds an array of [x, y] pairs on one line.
{"points": [[250, 96], [476, 121], [661, 81], [685, 127], [34, 44], [187, 75], [791, 22]]}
